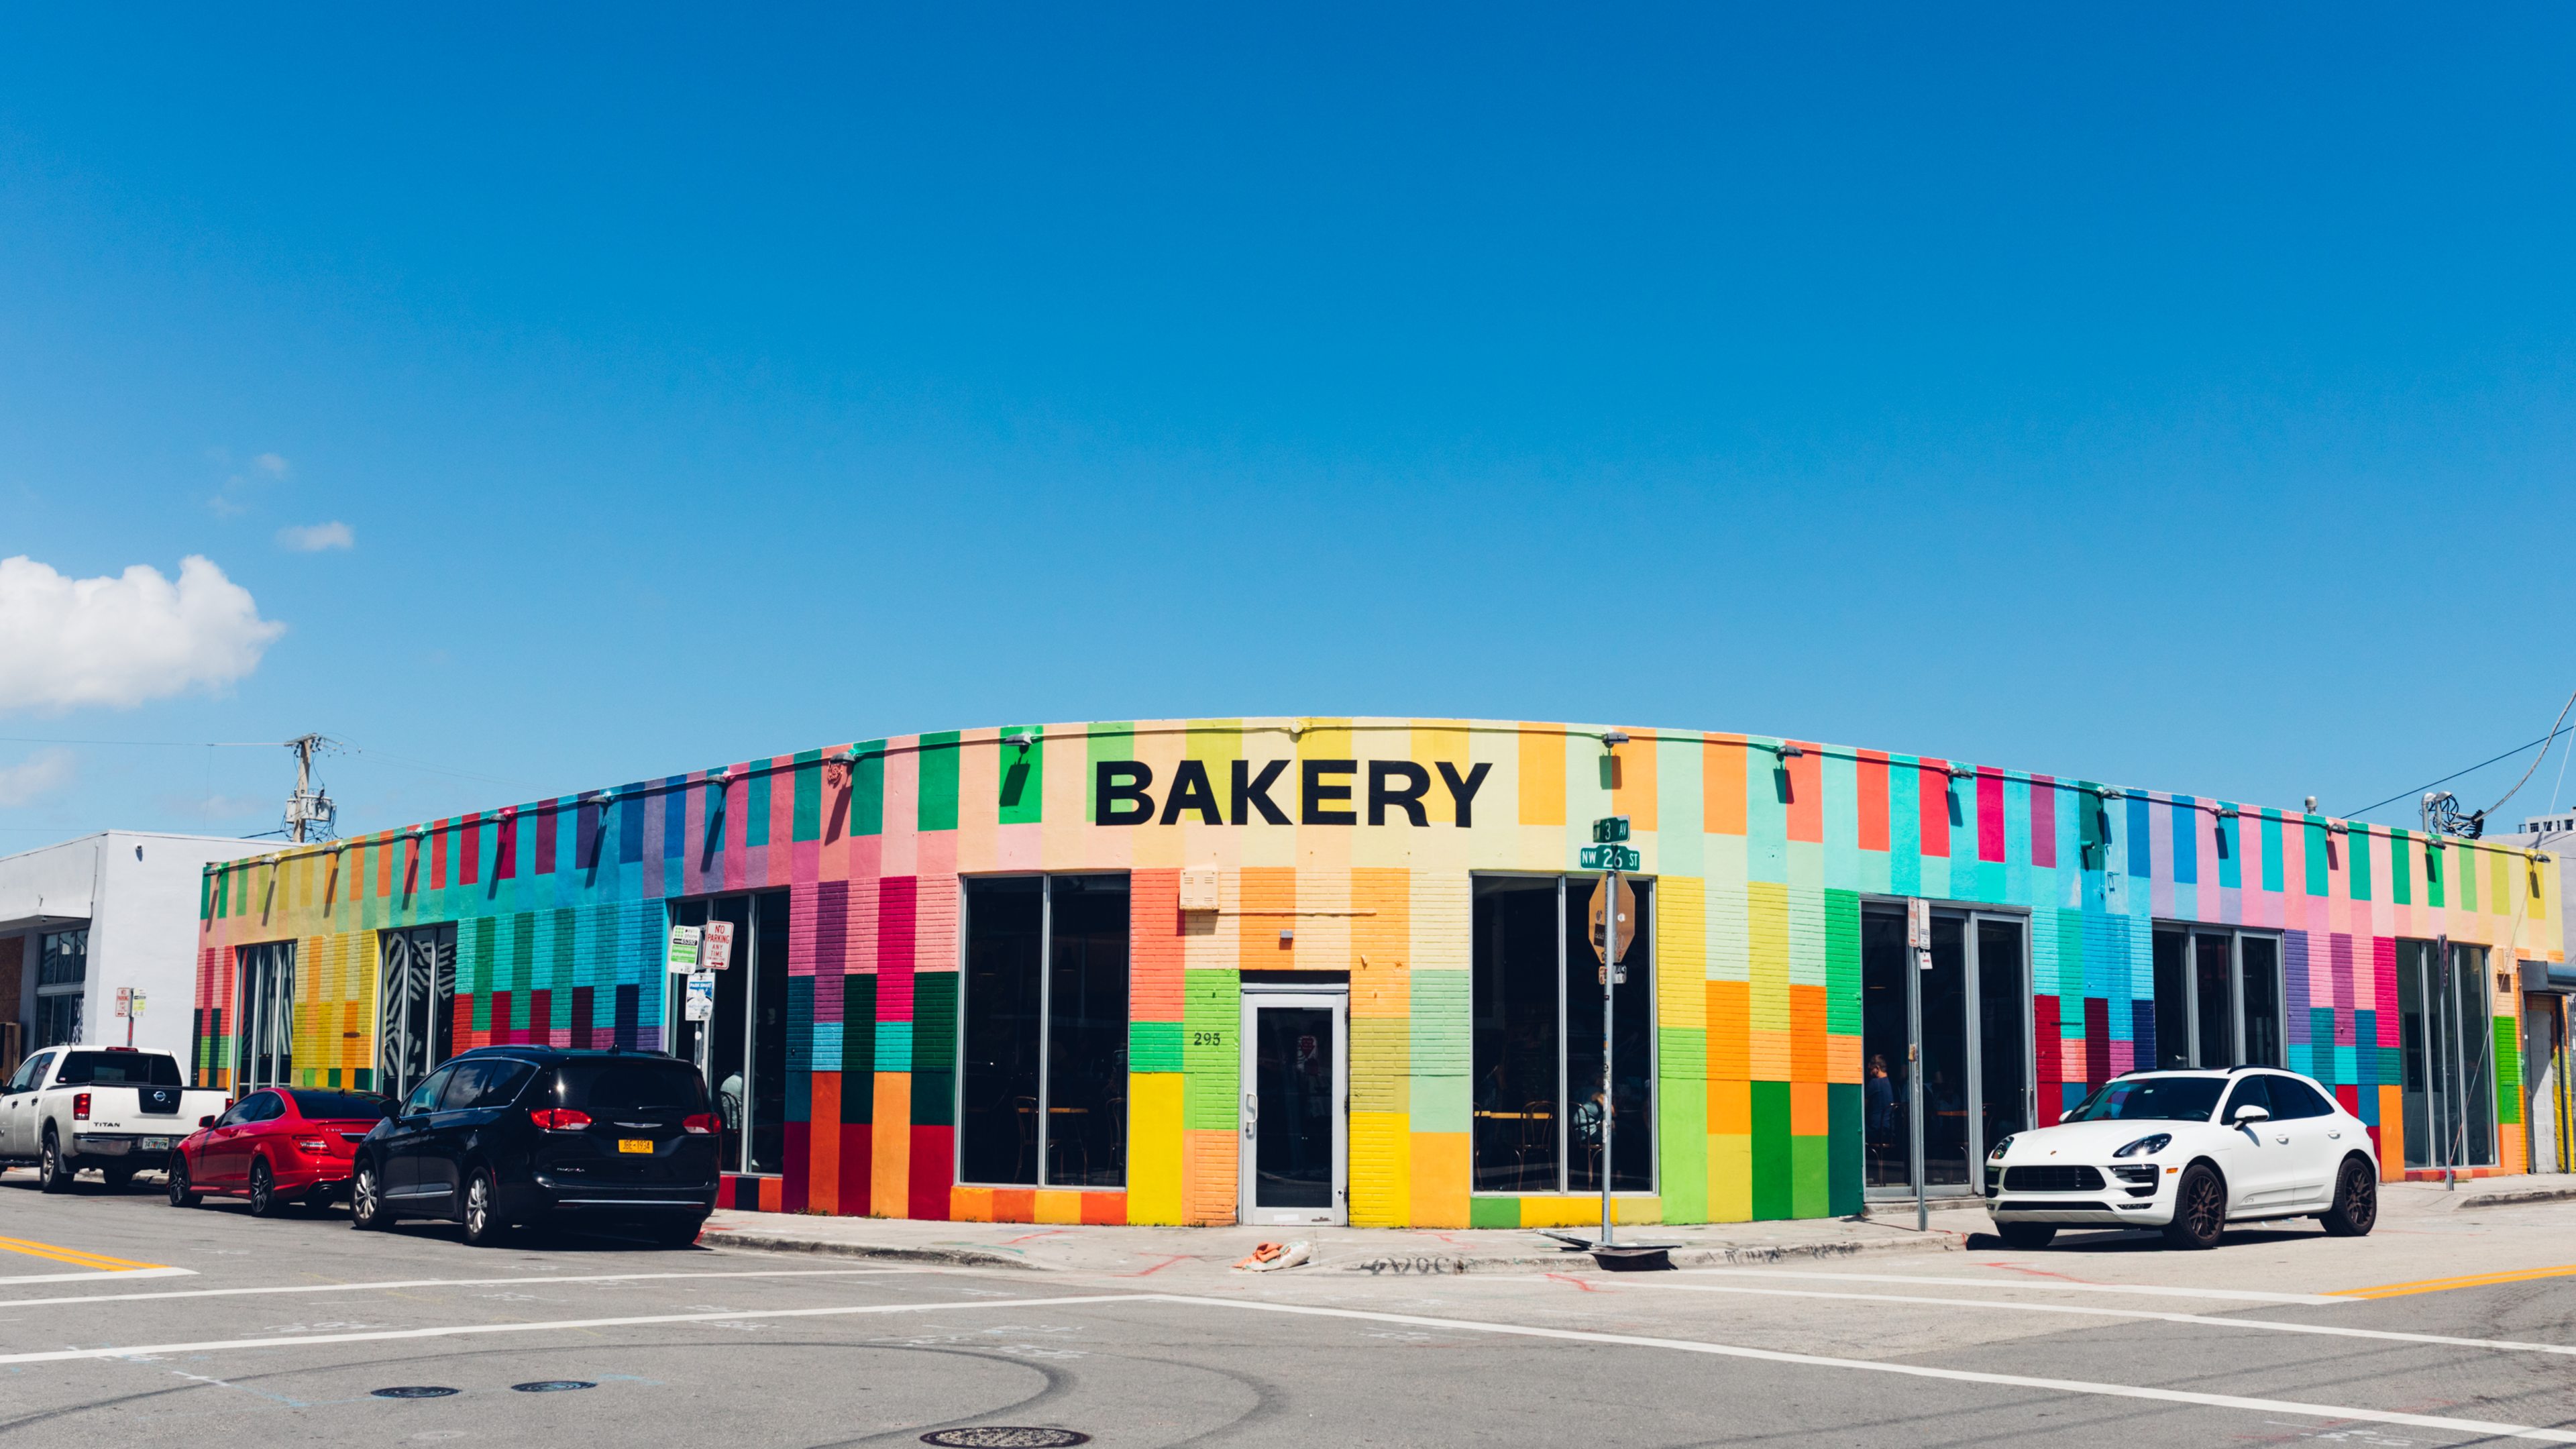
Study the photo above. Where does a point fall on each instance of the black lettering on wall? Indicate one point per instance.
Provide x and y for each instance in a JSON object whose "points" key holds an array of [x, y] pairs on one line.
{"points": [[1118, 792], [1191, 791], [1462, 793], [1409, 799], [1253, 790], [1315, 793]]}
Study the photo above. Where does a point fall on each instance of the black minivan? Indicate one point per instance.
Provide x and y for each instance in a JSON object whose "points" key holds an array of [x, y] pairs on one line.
{"points": [[519, 1136]]}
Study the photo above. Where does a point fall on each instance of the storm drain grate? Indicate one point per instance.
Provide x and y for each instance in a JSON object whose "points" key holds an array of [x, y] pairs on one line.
{"points": [[553, 1386], [1004, 1436], [412, 1391]]}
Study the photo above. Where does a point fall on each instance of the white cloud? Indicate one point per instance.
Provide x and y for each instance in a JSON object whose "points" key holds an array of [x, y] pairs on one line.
{"points": [[271, 464], [315, 537], [39, 775], [121, 640]]}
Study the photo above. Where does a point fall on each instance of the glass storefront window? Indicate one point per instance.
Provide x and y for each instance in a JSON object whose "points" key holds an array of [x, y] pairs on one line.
{"points": [[2449, 1052], [742, 1048], [1043, 1079], [62, 980], [1536, 1000], [2218, 998]]}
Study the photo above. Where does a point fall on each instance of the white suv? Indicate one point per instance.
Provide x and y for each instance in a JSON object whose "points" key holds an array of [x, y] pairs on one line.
{"points": [[2188, 1152]]}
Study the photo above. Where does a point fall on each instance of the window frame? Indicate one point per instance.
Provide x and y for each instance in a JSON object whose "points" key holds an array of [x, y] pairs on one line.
{"points": [[2236, 936], [1045, 1032], [48, 994], [1565, 1087]]}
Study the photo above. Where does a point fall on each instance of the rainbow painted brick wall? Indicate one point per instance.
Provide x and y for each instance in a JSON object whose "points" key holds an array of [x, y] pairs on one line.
{"points": [[1761, 856]]}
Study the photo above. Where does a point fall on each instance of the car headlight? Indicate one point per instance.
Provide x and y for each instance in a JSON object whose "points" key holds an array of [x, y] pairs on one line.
{"points": [[2000, 1148], [2146, 1146]]}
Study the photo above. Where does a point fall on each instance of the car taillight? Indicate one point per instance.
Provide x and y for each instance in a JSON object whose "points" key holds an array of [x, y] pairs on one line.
{"points": [[701, 1123], [80, 1106], [560, 1119], [312, 1144]]}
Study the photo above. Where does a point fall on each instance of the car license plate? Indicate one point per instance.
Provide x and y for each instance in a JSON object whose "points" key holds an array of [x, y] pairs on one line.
{"points": [[156, 1144], [634, 1144]]}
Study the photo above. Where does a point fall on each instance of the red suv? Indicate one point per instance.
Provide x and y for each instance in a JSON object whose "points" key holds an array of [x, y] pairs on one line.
{"points": [[281, 1145]]}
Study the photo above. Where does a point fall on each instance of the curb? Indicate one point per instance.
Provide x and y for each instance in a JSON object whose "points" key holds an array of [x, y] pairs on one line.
{"points": [[939, 1257], [1749, 1256], [2470, 1201]]}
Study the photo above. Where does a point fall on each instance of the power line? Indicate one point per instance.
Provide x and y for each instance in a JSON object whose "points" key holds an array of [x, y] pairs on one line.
{"points": [[2446, 779], [150, 744]]}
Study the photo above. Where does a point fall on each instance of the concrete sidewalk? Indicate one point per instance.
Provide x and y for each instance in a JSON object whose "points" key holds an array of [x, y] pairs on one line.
{"points": [[1955, 1226]]}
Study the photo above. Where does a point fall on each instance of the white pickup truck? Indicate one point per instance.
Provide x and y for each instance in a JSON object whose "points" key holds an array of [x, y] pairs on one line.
{"points": [[114, 1109]]}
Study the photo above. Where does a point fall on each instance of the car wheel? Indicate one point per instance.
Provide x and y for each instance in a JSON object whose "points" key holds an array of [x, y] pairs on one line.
{"points": [[2356, 1200], [52, 1173], [181, 1194], [366, 1200], [2026, 1237], [263, 1189], [2200, 1209], [483, 1225], [676, 1235]]}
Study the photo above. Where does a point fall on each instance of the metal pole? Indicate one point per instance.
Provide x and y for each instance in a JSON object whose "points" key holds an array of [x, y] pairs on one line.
{"points": [[1609, 978]]}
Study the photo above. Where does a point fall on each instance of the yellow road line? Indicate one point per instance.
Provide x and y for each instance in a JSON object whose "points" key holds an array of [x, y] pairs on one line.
{"points": [[2445, 1285], [76, 1257]]}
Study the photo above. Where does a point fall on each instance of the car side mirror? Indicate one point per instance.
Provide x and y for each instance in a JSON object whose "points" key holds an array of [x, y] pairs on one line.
{"points": [[206, 1121], [2253, 1112]]}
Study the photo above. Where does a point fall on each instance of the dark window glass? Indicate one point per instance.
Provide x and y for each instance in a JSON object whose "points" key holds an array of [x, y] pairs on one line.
{"points": [[2292, 1098], [2416, 1095], [2253, 1091], [496, 1084], [2003, 1048], [1944, 1005], [2173, 1003], [1292, 1053], [1886, 1081], [1087, 934], [260, 1107], [322, 1106], [416, 1004], [1005, 936], [1044, 1080], [1518, 1137], [630, 1087], [2217, 1001], [63, 958], [142, 1069], [264, 1018], [1632, 1055], [30, 1072], [2261, 957], [424, 1098], [2151, 1099], [768, 993], [2477, 1056]]}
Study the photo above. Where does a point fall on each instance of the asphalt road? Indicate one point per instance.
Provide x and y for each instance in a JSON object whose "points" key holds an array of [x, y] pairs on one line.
{"points": [[240, 1331]]}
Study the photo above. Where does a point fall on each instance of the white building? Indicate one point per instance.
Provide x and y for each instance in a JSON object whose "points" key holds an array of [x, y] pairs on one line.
{"points": [[81, 919]]}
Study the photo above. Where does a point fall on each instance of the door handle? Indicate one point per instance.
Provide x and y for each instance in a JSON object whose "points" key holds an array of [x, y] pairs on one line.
{"points": [[2338, 1132], [2283, 1137]]}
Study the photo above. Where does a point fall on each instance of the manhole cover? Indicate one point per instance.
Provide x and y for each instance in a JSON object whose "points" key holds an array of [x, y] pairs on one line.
{"points": [[1004, 1436], [553, 1386], [413, 1391]]}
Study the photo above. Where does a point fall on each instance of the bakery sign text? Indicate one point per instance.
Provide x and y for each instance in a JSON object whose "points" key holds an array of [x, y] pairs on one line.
{"points": [[1328, 792]]}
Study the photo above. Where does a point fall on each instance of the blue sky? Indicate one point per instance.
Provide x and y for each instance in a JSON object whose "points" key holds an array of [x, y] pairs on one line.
{"points": [[2177, 397]]}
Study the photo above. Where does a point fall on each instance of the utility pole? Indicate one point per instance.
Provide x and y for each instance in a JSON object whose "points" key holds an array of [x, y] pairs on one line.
{"points": [[310, 813]]}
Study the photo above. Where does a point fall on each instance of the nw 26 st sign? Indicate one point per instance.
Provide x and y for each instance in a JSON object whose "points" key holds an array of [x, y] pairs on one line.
{"points": [[1326, 792]]}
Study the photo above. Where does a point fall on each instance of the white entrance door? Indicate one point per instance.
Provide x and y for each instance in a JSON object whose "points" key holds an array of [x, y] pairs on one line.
{"points": [[1295, 1084]]}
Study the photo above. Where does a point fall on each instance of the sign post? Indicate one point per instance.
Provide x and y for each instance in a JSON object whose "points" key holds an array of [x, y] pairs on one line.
{"points": [[1614, 925], [129, 1004], [1918, 937]]}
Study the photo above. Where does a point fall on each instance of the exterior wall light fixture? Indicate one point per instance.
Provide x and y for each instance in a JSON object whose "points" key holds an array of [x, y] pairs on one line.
{"points": [[601, 798], [1612, 739], [1963, 772], [2111, 792], [2226, 812], [1786, 751]]}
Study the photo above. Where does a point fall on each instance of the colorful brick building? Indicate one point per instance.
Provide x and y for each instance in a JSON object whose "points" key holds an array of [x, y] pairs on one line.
{"points": [[1302, 970]]}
